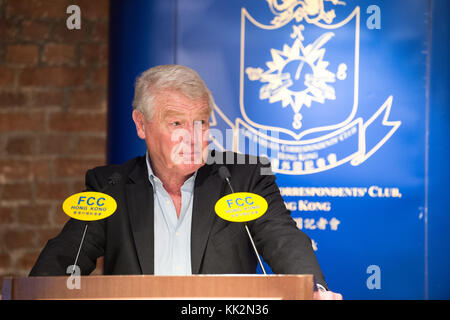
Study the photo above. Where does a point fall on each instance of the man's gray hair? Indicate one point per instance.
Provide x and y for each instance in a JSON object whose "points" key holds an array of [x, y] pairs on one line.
{"points": [[172, 77]]}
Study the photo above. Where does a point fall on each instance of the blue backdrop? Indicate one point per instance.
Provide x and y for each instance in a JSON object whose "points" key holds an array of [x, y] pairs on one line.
{"points": [[348, 98]]}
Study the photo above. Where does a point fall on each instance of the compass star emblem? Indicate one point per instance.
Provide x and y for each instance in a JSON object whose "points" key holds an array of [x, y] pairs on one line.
{"points": [[298, 74]]}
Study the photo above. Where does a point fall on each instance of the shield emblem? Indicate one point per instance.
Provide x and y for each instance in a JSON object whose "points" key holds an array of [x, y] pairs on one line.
{"points": [[299, 77]]}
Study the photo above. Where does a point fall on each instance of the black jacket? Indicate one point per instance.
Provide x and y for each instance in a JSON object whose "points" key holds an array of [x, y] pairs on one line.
{"points": [[125, 239]]}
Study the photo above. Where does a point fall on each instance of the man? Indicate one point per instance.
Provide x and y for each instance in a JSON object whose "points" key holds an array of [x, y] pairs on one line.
{"points": [[165, 222]]}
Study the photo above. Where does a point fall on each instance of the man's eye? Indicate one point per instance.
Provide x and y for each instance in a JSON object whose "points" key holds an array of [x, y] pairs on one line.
{"points": [[176, 123]]}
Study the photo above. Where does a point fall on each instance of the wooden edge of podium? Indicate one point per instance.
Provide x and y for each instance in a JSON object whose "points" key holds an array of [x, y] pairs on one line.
{"points": [[231, 287]]}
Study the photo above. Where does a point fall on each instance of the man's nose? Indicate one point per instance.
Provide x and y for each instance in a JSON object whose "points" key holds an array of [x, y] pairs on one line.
{"points": [[195, 131]]}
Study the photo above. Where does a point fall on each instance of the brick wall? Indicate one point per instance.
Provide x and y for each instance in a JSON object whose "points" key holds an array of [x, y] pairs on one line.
{"points": [[53, 84]]}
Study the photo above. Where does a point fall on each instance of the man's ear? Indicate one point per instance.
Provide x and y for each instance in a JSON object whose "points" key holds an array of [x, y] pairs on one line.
{"points": [[139, 121]]}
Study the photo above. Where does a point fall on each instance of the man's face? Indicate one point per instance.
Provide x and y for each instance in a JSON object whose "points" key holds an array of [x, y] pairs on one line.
{"points": [[177, 135]]}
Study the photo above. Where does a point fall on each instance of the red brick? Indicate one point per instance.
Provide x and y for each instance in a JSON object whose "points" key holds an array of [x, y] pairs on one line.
{"points": [[27, 259], [94, 10], [53, 76], [5, 261], [52, 190], [18, 239], [19, 170], [6, 76], [62, 33], [40, 169], [60, 218], [48, 98], [9, 29], [35, 30], [94, 54], [22, 145], [87, 99], [90, 146], [74, 168], [57, 54], [100, 76], [22, 54], [46, 234], [12, 99], [6, 215], [22, 121], [55, 144], [79, 185], [17, 191], [14, 170], [34, 214], [100, 31], [75, 122], [37, 8]]}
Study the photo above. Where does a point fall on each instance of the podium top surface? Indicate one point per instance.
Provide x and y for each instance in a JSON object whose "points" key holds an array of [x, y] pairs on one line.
{"points": [[286, 287]]}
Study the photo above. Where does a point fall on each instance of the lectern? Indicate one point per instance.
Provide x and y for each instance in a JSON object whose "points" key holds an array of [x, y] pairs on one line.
{"points": [[283, 287]]}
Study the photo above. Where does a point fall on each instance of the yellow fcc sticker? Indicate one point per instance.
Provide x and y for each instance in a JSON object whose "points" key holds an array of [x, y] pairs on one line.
{"points": [[241, 207], [89, 206]]}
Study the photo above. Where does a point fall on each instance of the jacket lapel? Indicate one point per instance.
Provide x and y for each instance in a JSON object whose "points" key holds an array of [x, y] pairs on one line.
{"points": [[206, 192], [140, 208]]}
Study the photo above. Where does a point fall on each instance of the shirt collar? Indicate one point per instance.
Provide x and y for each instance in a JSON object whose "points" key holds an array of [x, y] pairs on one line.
{"points": [[151, 175]]}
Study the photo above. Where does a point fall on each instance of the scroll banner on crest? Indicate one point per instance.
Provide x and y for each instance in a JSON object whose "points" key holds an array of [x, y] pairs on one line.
{"points": [[346, 144]]}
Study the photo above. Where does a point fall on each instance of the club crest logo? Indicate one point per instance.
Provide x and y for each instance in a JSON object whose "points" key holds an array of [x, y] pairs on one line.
{"points": [[299, 86]]}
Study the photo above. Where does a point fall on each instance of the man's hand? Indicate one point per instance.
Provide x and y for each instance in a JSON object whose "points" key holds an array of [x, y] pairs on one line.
{"points": [[327, 295]]}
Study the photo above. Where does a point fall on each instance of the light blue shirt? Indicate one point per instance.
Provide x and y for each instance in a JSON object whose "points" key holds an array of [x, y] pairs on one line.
{"points": [[172, 235]]}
